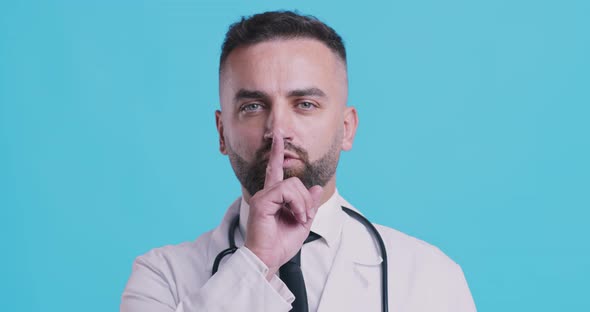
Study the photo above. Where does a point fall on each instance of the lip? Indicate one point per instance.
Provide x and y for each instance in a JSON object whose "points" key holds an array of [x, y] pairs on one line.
{"points": [[289, 155]]}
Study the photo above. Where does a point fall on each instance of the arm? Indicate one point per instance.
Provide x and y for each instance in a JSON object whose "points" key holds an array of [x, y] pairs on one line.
{"points": [[239, 285], [280, 219]]}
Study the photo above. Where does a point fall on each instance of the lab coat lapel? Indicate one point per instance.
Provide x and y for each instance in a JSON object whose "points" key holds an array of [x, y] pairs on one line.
{"points": [[354, 280]]}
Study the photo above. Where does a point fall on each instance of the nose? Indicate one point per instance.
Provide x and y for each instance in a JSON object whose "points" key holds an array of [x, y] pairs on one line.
{"points": [[279, 121]]}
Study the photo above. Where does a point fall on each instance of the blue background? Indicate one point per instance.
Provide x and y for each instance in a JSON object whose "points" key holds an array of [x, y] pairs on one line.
{"points": [[473, 136]]}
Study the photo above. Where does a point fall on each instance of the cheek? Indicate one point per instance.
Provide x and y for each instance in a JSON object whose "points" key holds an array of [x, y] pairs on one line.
{"points": [[245, 141], [321, 139]]}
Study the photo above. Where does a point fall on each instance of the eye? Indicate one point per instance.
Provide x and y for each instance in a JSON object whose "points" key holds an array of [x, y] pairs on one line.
{"points": [[252, 107], [306, 105]]}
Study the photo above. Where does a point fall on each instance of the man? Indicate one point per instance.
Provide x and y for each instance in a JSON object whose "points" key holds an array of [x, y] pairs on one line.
{"points": [[283, 123]]}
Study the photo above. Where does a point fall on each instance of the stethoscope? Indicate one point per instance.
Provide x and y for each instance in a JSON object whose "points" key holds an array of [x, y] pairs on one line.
{"points": [[355, 215]]}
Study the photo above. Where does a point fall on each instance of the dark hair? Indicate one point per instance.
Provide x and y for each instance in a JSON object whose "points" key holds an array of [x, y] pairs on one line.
{"points": [[276, 25]]}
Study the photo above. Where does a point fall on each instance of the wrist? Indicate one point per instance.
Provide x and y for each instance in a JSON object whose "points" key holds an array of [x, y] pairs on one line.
{"points": [[272, 267]]}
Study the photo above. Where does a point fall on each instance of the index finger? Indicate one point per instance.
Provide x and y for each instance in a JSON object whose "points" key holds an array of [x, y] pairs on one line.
{"points": [[274, 169]]}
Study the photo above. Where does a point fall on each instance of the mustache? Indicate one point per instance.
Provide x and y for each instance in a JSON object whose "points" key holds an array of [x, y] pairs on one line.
{"points": [[266, 147]]}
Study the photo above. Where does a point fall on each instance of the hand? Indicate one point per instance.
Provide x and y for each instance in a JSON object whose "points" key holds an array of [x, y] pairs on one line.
{"points": [[281, 213]]}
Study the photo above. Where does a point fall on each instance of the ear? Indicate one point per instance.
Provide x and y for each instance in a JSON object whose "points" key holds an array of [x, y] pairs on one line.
{"points": [[351, 122], [219, 124]]}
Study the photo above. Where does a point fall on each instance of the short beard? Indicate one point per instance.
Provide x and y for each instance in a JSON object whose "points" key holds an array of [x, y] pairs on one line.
{"points": [[252, 175]]}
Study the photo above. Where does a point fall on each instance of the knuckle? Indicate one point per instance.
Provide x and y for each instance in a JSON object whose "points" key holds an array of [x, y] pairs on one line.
{"points": [[281, 185], [258, 198]]}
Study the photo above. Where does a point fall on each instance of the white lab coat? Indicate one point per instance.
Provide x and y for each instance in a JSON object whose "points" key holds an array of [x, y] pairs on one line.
{"points": [[178, 278]]}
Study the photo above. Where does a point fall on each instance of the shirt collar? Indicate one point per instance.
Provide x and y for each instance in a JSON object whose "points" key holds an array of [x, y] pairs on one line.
{"points": [[327, 222]]}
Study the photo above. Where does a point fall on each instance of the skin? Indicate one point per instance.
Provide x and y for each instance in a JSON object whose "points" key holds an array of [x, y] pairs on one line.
{"points": [[297, 94]]}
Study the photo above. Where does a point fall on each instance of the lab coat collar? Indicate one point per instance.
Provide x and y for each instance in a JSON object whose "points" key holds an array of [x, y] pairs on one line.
{"points": [[327, 222]]}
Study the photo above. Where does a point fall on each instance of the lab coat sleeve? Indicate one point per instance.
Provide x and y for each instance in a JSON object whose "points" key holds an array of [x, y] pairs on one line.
{"points": [[239, 285]]}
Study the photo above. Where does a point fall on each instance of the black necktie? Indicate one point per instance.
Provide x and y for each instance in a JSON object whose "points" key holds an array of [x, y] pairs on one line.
{"points": [[292, 276]]}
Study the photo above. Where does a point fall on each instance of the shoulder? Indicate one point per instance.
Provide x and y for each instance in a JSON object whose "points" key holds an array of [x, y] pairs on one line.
{"points": [[177, 257], [404, 249], [430, 272], [194, 253], [170, 272], [417, 255], [411, 245]]}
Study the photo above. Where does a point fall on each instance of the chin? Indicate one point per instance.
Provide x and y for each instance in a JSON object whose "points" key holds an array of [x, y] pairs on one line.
{"points": [[293, 171]]}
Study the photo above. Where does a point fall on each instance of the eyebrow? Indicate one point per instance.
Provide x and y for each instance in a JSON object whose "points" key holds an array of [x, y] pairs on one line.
{"points": [[307, 92], [244, 94]]}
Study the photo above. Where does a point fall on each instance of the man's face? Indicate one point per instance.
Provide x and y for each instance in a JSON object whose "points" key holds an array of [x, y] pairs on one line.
{"points": [[296, 88]]}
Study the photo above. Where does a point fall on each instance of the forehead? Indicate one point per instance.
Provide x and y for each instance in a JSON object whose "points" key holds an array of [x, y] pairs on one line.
{"points": [[281, 65]]}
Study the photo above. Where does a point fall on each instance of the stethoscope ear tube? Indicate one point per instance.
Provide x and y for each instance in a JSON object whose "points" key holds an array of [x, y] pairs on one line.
{"points": [[370, 226], [220, 256], [232, 244]]}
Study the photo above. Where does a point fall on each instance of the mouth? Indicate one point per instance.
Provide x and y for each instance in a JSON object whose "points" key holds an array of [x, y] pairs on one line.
{"points": [[289, 155], [286, 156], [291, 162]]}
